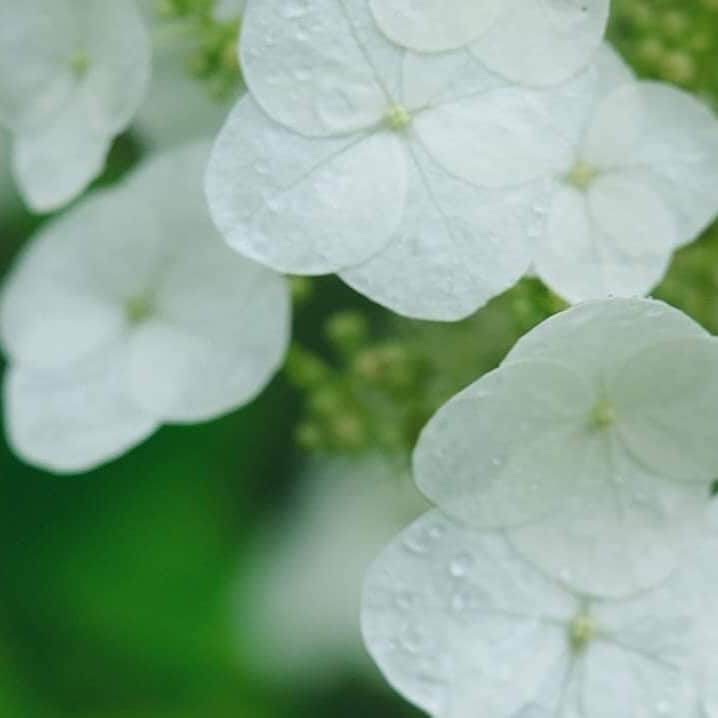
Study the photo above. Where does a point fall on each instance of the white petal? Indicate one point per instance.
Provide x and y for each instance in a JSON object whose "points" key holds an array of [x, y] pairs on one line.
{"points": [[434, 25], [508, 449], [119, 51], [614, 241], [543, 42], [432, 80], [620, 530], [620, 683], [319, 67], [72, 420], [219, 323], [299, 205], [65, 297], [599, 335], [55, 164], [457, 246], [666, 398], [612, 71], [506, 136], [36, 42], [667, 138], [446, 608]]}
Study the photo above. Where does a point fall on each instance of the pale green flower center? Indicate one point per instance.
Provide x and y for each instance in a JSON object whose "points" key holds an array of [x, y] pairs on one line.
{"points": [[603, 414], [397, 118], [581, 631], [138, 309], [581, 175], [79, 62]]}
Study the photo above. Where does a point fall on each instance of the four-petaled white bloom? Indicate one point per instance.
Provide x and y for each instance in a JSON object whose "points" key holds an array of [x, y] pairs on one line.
{"points": [[72, 75], [642, 181], [463, 626], [417, 177], [535, 42], [130, 312], [594, 444]]}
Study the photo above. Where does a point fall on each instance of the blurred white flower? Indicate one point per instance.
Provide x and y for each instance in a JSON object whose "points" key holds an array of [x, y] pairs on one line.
{"points": [[536, 42], [177, 107], [300, 604], [642, 181], [463, 626], [594, 443], [414, 176], [129, 312], [72, 74]]}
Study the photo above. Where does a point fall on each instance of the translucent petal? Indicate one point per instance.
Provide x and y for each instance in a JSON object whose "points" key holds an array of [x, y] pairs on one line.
{"points": [[36, 39], [457, 246], [74, 419], [434, 25], [446, 608], [299, 205], [66, 295], [669, 140], [508, 449], [620, 530], [666, 398], [54, 165], [543, 42], [615, 240], [318, 66], [599, 335], [504, 137]]}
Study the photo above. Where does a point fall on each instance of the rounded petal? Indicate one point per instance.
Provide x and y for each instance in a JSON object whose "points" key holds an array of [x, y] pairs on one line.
{"points": [[451, 614], [299, 205], [508, 449], [620, 529], [669, 140], [666, 398], [434, 25], [54, 165], [321, 67], [615, 240], [597, 335], [457, 246], [74, 419], [218, 327], [506, 136], [36, 41], [543, 42]]}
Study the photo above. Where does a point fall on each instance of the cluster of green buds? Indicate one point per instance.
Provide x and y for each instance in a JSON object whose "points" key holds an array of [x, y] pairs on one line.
{"points": [[213, 50], [671, 40]]}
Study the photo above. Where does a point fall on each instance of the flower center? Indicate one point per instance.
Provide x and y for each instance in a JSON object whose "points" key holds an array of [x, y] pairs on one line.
{"points": [[138, 309], [397, 118], [603, 414], [79, 62], [581, 175], [581, 631]]}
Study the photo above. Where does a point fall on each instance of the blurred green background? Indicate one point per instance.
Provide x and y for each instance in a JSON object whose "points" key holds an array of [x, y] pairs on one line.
{"points": [[130, 592]]}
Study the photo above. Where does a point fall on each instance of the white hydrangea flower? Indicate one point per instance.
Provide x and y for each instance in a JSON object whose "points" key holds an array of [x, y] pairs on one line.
{"points": [[416, 177], [298, 605], [593, 442], [642, 181], [463, 626], [536, 42], [129, 312], [72, 74]]}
